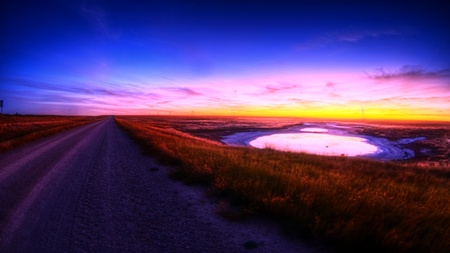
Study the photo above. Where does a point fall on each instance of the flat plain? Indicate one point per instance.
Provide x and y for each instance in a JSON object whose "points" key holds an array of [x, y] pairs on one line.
{"points": [[351, 203], [90, 188]]}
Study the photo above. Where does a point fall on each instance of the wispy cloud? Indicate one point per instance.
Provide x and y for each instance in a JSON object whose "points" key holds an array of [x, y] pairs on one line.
{"points": [[80, 89], [76, 94], [354, 36], [350, 36], [183, 90], [98, 17], [409, 71], [330, 84], [276, 88], [408, 90]]}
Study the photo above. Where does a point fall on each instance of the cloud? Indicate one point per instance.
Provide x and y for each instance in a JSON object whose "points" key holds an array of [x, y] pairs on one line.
{"points": [[300, 93], [282, 86], [183, 91], [352, 36], [98, 17], [409, 71], [76, 93]]}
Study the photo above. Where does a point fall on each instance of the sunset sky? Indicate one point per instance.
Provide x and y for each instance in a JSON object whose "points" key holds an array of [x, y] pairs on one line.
{"points": [[385, 60]]}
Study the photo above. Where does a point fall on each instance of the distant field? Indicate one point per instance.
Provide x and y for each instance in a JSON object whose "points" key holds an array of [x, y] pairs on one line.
{"points": [[352, 203], [434, 149], [18, 130]]}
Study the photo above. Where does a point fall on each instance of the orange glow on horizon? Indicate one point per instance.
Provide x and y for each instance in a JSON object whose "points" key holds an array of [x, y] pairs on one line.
{"points": [[319, 114]]}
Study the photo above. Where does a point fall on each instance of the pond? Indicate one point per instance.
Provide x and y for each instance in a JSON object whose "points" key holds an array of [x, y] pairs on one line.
{"points": [[313, 141], [325, 139]]}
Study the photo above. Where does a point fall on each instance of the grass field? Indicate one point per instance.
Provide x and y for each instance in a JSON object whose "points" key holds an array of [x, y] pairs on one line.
{"points": [[18, 130], [353, 204]]}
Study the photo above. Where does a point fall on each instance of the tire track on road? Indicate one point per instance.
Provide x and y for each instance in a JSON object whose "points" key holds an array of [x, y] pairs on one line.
{"points": [[24, 192]]}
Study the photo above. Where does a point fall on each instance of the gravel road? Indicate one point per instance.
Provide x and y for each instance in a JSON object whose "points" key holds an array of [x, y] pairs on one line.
{"points": [[90, 189]]}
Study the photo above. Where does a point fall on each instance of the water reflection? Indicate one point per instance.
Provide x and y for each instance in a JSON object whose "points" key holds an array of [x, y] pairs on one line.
{"points": [[322, 144], [314, 130]]}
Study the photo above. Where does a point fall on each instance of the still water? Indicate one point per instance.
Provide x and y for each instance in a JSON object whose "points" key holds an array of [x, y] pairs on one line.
{"points": [[316, 143]]}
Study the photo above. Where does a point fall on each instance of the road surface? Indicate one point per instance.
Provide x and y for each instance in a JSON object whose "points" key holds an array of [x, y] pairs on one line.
{"points": [[90, 189]]}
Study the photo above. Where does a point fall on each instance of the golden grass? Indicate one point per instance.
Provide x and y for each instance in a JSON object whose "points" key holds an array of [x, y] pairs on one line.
{"points": [[356, 204], [18, 130]]}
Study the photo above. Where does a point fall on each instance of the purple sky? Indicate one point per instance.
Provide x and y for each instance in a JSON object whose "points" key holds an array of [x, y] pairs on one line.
{"points": [[275, 58]]}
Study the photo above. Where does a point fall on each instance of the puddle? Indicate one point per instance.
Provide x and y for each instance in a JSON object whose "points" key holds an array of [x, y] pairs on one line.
{"points": [[315, 143]]}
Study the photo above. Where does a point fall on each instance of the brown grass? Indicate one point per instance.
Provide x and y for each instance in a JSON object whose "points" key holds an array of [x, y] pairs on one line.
{"points": [[19, 130], [354, 204]]}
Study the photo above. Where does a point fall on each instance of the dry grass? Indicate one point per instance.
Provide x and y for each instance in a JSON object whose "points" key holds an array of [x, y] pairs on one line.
{"points": [[354, 204], [18, 130]]}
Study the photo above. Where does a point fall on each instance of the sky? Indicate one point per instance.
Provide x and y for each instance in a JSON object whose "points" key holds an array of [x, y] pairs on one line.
{"points": [[339, 59]]}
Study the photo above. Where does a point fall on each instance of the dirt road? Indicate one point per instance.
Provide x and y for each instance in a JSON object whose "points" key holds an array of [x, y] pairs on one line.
{"points": [[91, 190]]}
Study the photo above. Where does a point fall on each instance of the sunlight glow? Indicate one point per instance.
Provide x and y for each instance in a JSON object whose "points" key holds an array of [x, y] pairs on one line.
{"points": [[202, 63]]}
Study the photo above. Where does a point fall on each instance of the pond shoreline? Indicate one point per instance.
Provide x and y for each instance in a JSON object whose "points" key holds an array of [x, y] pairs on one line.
{"points": [[387, 150]]}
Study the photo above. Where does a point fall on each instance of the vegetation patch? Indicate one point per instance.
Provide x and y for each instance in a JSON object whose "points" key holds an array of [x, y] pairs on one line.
{"points": [[354, 204], [16, 130]]}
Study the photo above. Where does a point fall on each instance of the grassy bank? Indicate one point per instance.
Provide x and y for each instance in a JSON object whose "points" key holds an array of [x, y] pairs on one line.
{"points": [[19, 130], [354, 204]]}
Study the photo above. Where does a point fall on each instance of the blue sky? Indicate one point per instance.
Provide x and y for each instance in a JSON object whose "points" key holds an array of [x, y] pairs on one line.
{"points": [[285, 58]]}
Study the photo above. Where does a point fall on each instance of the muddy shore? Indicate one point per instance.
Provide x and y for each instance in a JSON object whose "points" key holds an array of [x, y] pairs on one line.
{"points": [[423, 143]]}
